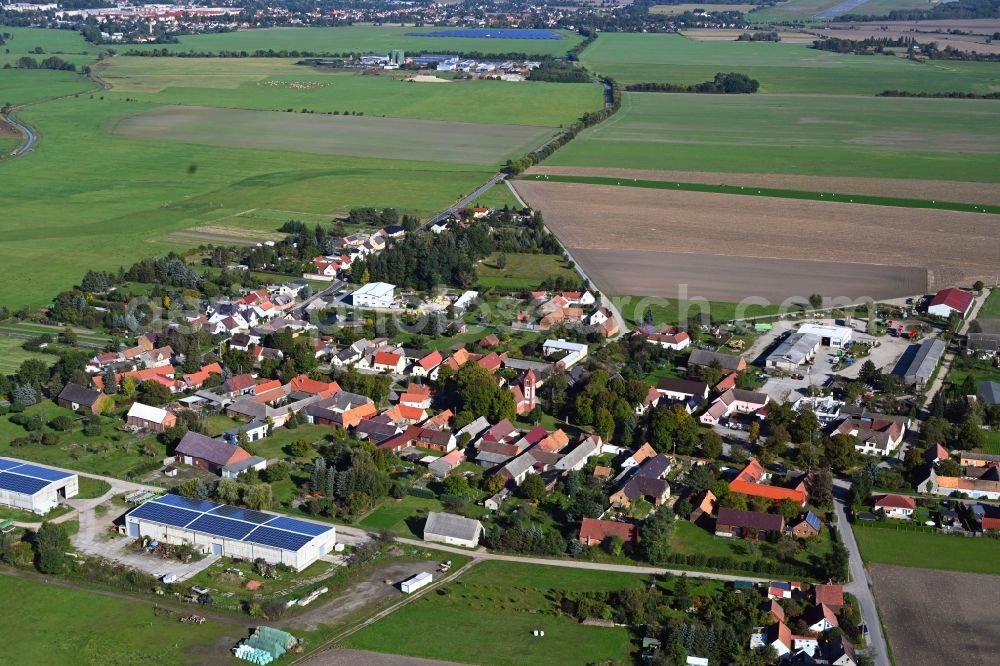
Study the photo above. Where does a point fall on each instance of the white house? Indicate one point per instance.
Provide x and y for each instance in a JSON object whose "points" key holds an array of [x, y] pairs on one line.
{"points": [[896, 506], [379, 295], [452, 529], [575, 352]]}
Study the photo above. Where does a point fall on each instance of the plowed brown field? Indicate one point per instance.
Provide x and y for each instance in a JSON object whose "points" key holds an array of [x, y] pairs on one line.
{"points": [[726, 247], [943, 190]]}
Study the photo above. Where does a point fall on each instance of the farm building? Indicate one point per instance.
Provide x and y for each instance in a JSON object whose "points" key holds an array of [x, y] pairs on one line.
{"points": [[209, 454], [220, 529], [919, 362], [374, 295], [748, 524], [575, 352], [76, 397], [829, 335], [453, 530], [793, 351], [34, 488], [950, 301], [150, 418]]}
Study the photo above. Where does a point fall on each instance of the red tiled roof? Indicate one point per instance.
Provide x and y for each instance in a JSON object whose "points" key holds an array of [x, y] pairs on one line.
{"points": [[387, 358], [829, 594], [956, 299], [896, 502], [599, 530]]}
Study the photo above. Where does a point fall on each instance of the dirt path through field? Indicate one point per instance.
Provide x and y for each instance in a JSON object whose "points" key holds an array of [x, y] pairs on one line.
{"points": [[944, 190]]}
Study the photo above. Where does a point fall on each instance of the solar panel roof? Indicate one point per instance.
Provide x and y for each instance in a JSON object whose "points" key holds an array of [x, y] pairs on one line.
{"points": [[223, 527], [21, 484], [7, 464], [300, 526], [278, 538], [27, 469], [163, 513], [235, 512], [230, 522]]}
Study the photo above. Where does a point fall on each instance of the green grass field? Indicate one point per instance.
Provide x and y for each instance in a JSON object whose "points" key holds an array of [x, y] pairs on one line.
{"points": [[51, 629], [674, 10], [991, 308], [12, 355], [672, 311], [67, 44], [780, 67], [490, 613], [24, 86], [498, 196], [928, 551], [361, 39], [523, 271], [772, 192], [366, 137], [393, 515], [797, 134], [278, 84]]}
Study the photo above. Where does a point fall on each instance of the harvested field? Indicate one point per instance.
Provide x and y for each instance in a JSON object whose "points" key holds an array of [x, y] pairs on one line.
{"points": [[939, 617], [344, 657], [710, 35], [977, 43], [944, 190], [224, 235], [361, 136], [599, 223]]}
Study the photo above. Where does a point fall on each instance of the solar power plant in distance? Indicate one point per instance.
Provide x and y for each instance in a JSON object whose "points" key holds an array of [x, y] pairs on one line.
{"points": [[164, 513], [300, 526], [222, 527], [267, 536], [21, 484]]}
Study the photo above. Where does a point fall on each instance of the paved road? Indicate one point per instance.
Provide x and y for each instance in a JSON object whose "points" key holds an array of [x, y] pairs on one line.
{"points": [[465, 201], [860, 585], [300, 309], [27, 132]]}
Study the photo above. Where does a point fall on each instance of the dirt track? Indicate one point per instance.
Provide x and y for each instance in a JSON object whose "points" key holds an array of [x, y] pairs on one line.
{"points": [[939, 617], [945, 190], [629, 238]]}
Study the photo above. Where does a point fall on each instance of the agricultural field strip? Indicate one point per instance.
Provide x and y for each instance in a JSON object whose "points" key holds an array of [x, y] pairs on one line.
{"points": [[957, 247], [360, 136], [903, 188], [770, 192]]}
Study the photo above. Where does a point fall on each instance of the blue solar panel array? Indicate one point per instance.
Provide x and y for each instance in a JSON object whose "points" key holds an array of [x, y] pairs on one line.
{"points": [[164, 513], [278, 538], [223, 527], [21, 484], [236, 513], [20, 477], [230, 522]]}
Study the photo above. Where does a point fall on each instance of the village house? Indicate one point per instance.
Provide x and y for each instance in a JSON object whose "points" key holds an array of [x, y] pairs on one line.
{"points": [[390, 362], [206, 453], [704, 358], [807, 527], [734, 401], [149, 418], [594, 532], [76, 397], [748, 524], [704, 505], [876, 434], [749, 481], [896, 506]]}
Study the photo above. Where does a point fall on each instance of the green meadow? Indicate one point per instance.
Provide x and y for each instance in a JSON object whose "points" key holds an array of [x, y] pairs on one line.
{"points": [[926, 550], [797, 134], [26, 86], [361, 39], [278, 84], [67, 44], [490, 613], [780, 67]]}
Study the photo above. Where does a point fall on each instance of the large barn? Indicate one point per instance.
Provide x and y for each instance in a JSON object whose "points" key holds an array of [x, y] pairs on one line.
{"points": [[33, 488], [220, 529]]}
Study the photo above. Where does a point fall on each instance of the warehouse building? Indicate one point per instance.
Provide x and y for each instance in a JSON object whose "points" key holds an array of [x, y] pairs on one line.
{"points": [[220, 529], [918, 362], [379, 295], [829, 335], [33, 488], [795, 350]]}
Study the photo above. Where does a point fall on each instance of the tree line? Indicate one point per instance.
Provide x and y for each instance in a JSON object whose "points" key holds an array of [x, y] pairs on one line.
{"points": [[732, 83]]}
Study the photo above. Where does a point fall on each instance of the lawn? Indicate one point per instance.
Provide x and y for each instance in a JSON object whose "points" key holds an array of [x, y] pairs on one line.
{"points": [[57, 205], [490, 613], [523, 271], [928, 550], [991, 308], [24, 86], [674, 311], [358, 136], [992, 442], [796, 134], [780, 67], [393, 515], [51, 629], [498, 196], [12, 355], [272, 84], [360, 39], [91, 488]]}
